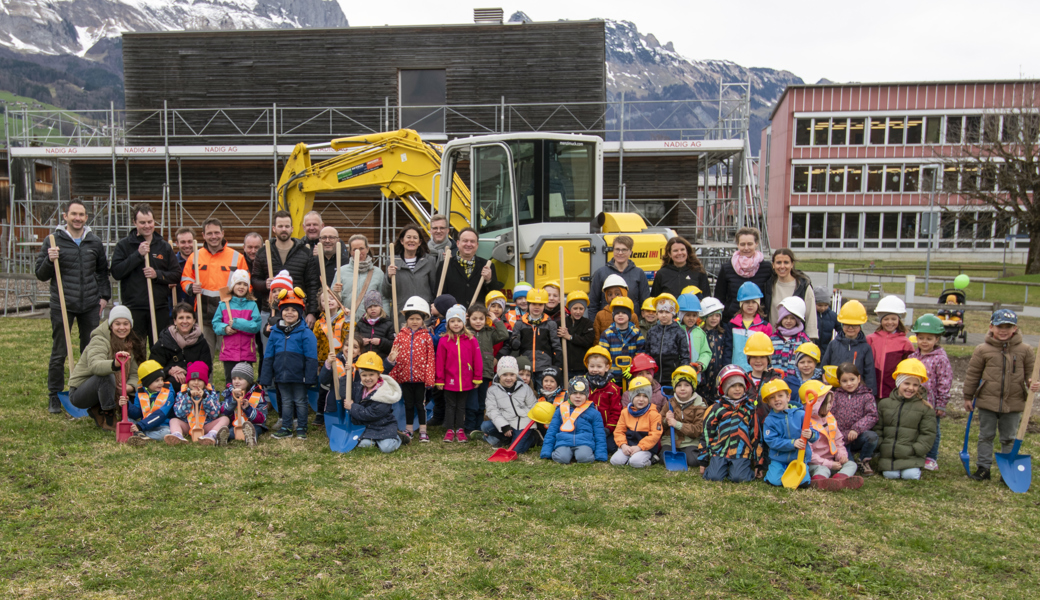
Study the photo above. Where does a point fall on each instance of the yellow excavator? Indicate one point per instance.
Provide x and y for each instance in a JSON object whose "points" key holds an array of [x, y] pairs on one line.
{"points": [[529, 194]]}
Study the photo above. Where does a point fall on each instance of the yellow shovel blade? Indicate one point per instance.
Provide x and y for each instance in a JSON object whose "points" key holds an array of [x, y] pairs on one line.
{"points": [[795, 473]]}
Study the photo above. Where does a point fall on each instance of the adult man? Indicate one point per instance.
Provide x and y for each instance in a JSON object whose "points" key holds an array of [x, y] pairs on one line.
{"points": [[466, 269], [328, 238], [312, 226], [638, 288], [217, 262], [185, 238], [129, 268], [439, 239], [293, 256], [251, 247], [84, 271]]}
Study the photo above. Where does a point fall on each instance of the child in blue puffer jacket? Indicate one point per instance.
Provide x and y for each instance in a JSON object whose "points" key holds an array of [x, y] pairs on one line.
{"points": [[576, 430], [291, 364], [151, 408], [783, 433], [254, 403]]}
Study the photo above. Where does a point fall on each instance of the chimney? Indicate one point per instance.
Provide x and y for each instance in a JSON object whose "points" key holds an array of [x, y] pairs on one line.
{"points": [[488, 16]]}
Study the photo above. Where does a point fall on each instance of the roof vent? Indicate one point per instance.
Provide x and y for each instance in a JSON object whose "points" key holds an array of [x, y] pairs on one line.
{"points": [[488, 16]]}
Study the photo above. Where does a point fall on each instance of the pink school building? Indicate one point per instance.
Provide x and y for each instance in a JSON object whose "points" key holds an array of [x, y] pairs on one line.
{"points": [[851, 168]]}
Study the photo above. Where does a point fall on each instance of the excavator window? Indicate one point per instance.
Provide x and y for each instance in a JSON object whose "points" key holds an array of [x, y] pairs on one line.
{"points": [[554, 180], [491, 189]]}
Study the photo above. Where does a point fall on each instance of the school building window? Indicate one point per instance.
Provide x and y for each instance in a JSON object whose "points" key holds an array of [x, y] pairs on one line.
{"points": [[911, 130], [970, 229], [892, 178]]}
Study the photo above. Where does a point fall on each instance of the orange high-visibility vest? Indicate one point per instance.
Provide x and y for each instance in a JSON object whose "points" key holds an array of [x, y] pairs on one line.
{"points": [[196, 418], [147, 406], [568, 418]]}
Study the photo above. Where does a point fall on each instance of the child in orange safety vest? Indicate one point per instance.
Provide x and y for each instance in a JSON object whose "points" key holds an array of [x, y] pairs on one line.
{"points": [[150, 409], [254, 403], [576, 430]]}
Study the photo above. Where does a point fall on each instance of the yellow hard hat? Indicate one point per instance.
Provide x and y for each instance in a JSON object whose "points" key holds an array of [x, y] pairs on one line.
{"points": [[772, 387], [147, 368], [541, 412], [597, 351], [911, 366], [852, 313], [553, 283], [579, 295], [537, 296], [685, 373], [623, 301], [830, 375], [370, 361], [818, 388], [759, 344], [640, 385], [691, 289], [809, 349], [648, 304], [668, 297], [492, 296]]}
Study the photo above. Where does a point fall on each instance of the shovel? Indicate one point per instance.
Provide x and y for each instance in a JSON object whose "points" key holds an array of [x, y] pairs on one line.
{"points": [[196, 429], [74, 412], [343, 435], [123, 430], [1017, 469], [965, 457], [796, 470], [506, 455], [673, 459]]}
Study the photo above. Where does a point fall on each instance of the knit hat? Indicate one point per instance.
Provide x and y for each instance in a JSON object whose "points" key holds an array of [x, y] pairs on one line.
{"points": [[239, 276], [551, 372], [456, 312], [580, 301], [798, 356], [282, 281], [149, 371], [372, 298], [904, 377], [782, 312], [578, 385], [621, 309], [198, 370], [507, 364], [244, 370], [120, 312], [645, 390], [524, 364], [820, 294], [443, 302], [520, 289]]}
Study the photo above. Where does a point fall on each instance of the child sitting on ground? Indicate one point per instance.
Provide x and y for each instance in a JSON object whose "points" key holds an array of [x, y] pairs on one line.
{"points": [[198, 408], [851, 345], [508, 402], [414, 368], [526, 374], [789, 334], [605, 395], [638, 432], [829, 468], [645, 366], [371, 403], [622, 339], [731, 443], [151, 408], [783, 433], [254, 403], [906, 423], [929, 330], [550, 390], [666, 341], [685, 414], [291, 363], [647, 316], [576, 431], [855, 411]]}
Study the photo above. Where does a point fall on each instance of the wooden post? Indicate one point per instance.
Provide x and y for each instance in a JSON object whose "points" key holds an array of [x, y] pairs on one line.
{"points": [[444, 271], [151, 300], [350, 337], [393, 291], [198, 297]]}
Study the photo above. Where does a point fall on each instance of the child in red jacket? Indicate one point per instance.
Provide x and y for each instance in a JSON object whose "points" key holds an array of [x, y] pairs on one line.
{"points": [[459, 370], [605, 395], [889, 344], [415, 362]]}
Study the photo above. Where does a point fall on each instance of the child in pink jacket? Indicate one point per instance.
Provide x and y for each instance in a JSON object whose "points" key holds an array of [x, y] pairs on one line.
{"points": [[890, 346], [460, 369], [829, 465]]}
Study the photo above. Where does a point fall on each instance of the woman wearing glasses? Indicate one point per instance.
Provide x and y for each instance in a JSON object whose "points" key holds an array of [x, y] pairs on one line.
{"points": [[620, 264]]}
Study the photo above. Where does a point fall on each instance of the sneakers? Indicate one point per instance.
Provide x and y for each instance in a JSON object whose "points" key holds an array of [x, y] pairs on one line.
{"points": [[864, 467], [210, 439], [460, 436], [854, 483], [476, 434], [222, 436], [301, 434], [423, 437], [172, 439], [931, 464], [405, 438], [54, 405], [826, 483], [138, 440], [449, 436], [981, 474], [249, 433], [282, 433]]}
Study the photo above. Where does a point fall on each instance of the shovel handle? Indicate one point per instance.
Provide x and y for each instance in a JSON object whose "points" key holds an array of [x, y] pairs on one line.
{"points": [[519, 437], [1029, 398]]}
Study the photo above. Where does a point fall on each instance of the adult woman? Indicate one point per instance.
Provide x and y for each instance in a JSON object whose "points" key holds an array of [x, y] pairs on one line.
{"points": [[745, 265], [620, 264], [788, 281], [370, 277], [92, 384], [180, 344], [680, 268], [414, 266]]}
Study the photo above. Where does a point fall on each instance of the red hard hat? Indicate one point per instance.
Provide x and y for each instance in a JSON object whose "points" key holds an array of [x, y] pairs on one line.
{"points": [[643, 362], [731, 371]]}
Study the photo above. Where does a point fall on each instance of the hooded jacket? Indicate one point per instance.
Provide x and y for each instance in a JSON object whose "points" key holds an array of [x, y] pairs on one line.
{"points": [[826, 325], [416, 359], [690, 415], [907, 431], [300, 264], [780, 431], [245, 320], [128, 269], [669, 346], [375, 410], [707, 384], [889, 350], [588, 431], [607, 400], [383, 328], [856, 351], [508, 410], [732, 430], [99, 360], [84, 271], [672, 280], [1004, 367], [643, 431], [656, 398], [736, 337], [700, 349], [856, 411], [538, 342], [783, 350], [582, 338], [828, 449], [638, 288], [291, 355], [169, 353], [459, 364], [940, 376], [622, 342]]}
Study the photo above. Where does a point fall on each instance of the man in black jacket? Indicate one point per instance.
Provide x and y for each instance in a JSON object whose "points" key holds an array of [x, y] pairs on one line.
{"points": [[128, 267], [293, 256], [84, 270], [466, 269]]}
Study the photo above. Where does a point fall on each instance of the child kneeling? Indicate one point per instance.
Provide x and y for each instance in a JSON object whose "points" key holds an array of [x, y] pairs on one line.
{"points": [[829, 467], [731, 443], [783, 431], [906, 423], [638, 431], [371, 403], [253, 400], [576, 430]]}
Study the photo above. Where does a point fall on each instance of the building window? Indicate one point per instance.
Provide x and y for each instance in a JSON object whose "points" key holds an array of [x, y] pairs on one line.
{"points": [[426, 91], [1010, 132], [877, 131], [972, 129], [875, 178], [889, 229], [856, 128], [908, 230], [991, 130], [852, 230], [801, 180], [839, 128], [914, 129], [816, 229], [836, 180], [989, 177], [798, 228], [822, 132], [911, 178], [965, 229], [892, 178], [895, 130], [833, 230], [928, 179], [818, 181], [932, 128], [854, 179], [950, 180], [802, 131], [871, 230], [954, 126], [970, 180]]}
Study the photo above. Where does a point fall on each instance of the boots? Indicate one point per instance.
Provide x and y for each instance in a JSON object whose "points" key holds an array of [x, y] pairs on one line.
{"points": [[824, 483], [54, 404], [981, 474], [849, 483]]}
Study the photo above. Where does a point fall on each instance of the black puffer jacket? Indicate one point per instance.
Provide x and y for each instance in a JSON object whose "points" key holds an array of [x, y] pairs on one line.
{"points": [[671, 279], [301, 267], [669, 346], [169, 354], [728, 282], [383, 329], [128, 268], [84, 271], [583, 337]]}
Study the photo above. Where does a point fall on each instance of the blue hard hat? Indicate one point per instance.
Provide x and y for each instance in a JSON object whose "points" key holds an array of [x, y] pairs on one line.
{"points": [[1004, 317], [689, 303], [748, 291]]}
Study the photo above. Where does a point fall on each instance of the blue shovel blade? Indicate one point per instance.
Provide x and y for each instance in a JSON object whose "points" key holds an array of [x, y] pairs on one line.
{"points": [[272, 397], [1015, 469], [74, 412], [343, 436]]}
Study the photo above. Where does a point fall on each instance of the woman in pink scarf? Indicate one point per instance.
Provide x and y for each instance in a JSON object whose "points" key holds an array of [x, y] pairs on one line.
{"points": [[745, 265]]}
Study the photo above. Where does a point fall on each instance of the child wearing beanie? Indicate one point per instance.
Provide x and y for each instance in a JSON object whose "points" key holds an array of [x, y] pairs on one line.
{"points": [[508, 402], [576, 431], [242, 389]]}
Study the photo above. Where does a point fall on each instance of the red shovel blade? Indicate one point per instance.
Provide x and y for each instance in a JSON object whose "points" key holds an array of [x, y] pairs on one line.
{"points": [[123, 431], [502, 455]]}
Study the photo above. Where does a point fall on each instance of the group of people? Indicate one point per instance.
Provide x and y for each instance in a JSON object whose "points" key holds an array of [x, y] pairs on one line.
{"points": [[730, 371]]}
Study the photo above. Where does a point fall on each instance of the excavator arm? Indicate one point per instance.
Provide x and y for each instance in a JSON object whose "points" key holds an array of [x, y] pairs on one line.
{"points": [[399, 162]]}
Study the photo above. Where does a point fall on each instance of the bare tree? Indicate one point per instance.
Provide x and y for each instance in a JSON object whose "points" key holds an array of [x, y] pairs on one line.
{"points": [[998, 165]]}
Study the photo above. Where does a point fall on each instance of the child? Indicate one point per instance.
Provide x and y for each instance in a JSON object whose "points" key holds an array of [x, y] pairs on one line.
{"points": [[685, 414], [638, 432], [579, 334], [906, 423], [508, 402], [414, 368], [855, 410], [238, 334], [889, 344], [759, 352], [524, 364], [614, 286], [1001, 391], [495, 301], [550, 389], [552, 302], [375, 329], [519, 304], [826, 319], [789, 334], [715, 335], [197, 406], [438, 326], [340, 329], [459, 369], [929, 330], [829, 468], [667, 341], [152, 406], [603, 393], [730, 445], [254, 403], [622, 339], [746, 322], [783, 433], [534, 335], [648, 315], [696, 338], [291, 363], [645, 366], [282, 281], [806, 362], [489, 333], [371, 403], [851, 345], [576, 430]]}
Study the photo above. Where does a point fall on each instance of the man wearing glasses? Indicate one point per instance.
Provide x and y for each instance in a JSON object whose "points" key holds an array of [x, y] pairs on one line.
{"points": [[327, 242], [439, 239], [638, 289]]}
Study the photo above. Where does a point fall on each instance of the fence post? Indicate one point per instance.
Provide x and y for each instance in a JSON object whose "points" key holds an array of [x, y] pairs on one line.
{"points": [[1026, 301], [911, 282], [983, 290], [830, 276]]}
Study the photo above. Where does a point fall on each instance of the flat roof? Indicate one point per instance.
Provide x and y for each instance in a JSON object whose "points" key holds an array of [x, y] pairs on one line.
{"points": [[305, 30]]}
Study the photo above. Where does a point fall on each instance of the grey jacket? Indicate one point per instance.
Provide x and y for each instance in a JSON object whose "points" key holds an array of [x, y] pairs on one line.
{"points": [[346, 277], [509, 410], [638, 288], [421, 281]]}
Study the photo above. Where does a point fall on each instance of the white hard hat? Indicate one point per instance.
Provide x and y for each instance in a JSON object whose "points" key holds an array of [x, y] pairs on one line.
{"points": [[615, 281], [710, 305], [416, 304], [890, 305], [795, 306]]}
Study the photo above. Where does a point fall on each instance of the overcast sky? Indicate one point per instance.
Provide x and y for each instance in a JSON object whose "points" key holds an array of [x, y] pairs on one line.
{"points": [[885, 40]]}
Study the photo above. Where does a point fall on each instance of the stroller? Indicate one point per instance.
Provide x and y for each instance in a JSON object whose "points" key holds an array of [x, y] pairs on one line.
{"points": [[952, 318]]}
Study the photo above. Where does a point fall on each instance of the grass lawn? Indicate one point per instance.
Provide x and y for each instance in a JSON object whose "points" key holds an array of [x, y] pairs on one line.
{"points": [[86, 518]]}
